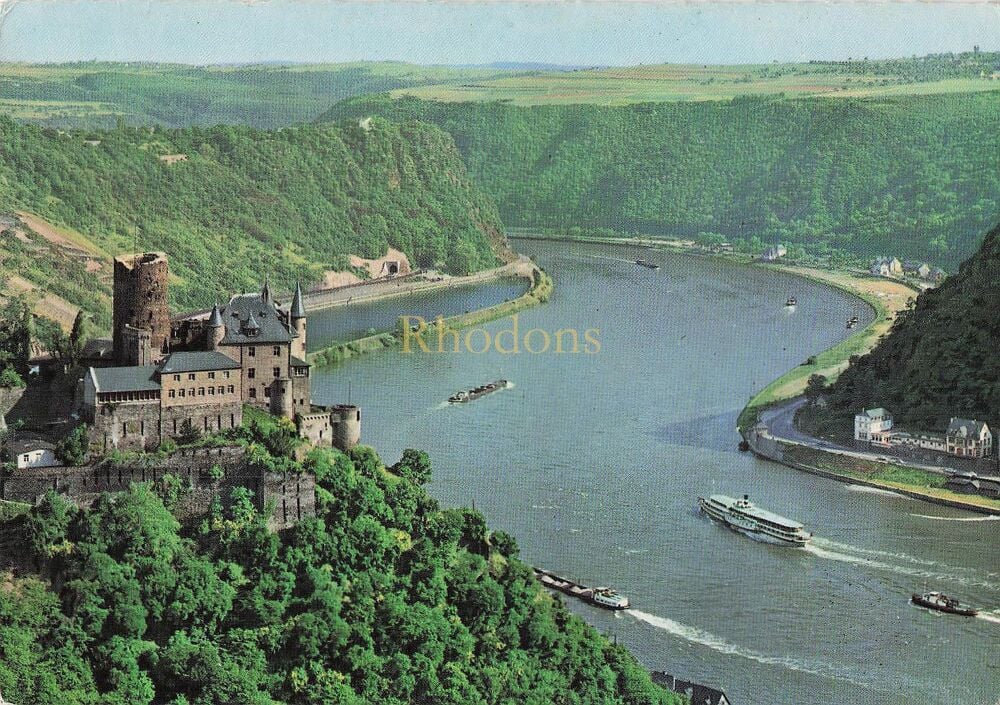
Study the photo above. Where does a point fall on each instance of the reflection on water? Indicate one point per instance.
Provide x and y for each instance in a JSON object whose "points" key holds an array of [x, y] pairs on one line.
{"points": [[595, 463]]}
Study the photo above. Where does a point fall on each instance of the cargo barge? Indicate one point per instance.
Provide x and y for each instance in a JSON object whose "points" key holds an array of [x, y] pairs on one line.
{"points": [[476, 392], [600, 596]]}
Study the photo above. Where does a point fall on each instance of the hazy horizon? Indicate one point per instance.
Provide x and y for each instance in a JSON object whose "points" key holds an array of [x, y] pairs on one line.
{"points": [[565, 35]]}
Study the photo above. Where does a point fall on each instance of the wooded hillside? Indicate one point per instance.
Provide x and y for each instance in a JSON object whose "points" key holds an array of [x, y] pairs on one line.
{"points": [[939, 360], [240, 204], [907, 176]]}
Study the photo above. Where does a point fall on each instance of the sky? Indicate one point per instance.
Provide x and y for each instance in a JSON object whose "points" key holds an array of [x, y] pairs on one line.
{"points": [[567, 33]]}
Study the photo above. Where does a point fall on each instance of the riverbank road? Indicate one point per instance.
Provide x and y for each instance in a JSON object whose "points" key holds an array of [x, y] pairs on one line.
{"points": [[780, 423]]}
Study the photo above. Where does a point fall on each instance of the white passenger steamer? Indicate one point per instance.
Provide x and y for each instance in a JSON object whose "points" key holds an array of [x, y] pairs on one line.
{"points": [[742, 516]]}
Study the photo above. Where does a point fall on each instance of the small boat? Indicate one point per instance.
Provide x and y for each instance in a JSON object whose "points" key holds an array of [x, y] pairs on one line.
{"points": [[647, 264], [851, 325], [742, 516], [476, 392], [942, 603], [790, 301]]}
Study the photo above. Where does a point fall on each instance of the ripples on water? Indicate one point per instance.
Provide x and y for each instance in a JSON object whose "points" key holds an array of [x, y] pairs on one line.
{"points": [[595, 464]]}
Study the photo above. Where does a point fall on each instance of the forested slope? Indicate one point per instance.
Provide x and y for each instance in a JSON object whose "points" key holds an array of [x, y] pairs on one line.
{"points": [[246, 203], [384, 598], [939, 360], [96, 94], [911, 176]]}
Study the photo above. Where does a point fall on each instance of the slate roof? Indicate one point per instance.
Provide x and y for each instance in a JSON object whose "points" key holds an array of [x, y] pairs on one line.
{"points": [[252, 308], [965, 427], [298, 308], [876, 413], [125, 379], [197, 362], [97, 349], [297, 361], [215, 319], [699, 694]]}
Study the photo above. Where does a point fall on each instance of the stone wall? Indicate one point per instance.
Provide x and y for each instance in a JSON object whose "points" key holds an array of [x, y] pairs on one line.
{"points": [[293, 496]]}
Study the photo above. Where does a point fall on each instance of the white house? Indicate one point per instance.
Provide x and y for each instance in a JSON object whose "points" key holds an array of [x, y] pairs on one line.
{"points": [[33, 453], [886, 267], [773, 254], [871, 422]]}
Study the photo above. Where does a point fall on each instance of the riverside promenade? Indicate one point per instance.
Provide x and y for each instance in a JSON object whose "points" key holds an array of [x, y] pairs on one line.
{"points": [[774, 437], [375, 290]]}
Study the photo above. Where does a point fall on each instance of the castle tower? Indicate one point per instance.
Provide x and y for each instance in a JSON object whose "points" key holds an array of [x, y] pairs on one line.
{"points": [[215, 331], [140, 301], [345, 423], [297, 318], [282, 403]]}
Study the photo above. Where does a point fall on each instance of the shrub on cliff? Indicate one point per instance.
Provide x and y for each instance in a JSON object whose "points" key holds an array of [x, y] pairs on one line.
{"points": [[74, 448]]}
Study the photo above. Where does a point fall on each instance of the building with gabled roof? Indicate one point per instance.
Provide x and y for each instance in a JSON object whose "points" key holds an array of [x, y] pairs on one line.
{"points": [[871, 423], [696, 693], [139, 407], [969, 438], [250, 350]]}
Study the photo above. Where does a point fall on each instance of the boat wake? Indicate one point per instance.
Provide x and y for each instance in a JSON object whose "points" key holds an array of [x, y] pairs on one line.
{"points": [[848, 548], [709, 640], [986, 517], [989, 617], [876, 490], [816, 549]]}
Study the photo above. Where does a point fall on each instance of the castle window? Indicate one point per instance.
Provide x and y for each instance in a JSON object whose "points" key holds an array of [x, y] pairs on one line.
{"points": [[277, 349], [267, 392], [251, 372], [190, 391], [211, 375], [175, 425], [251, 351], [171, 394], [177, 378], [253, 392], [232, 421], [201, 391], [231, 389], [191, 376], [277, 371], [222, 390], [301, 371], [226, 374], [181, 392], [211, 391]]}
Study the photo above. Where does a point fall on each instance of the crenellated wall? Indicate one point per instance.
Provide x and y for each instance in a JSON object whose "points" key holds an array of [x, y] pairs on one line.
{"points": [[293, 496]]}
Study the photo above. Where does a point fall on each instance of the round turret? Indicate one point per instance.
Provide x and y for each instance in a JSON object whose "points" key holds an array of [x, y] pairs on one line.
{"points": [[215, 331], [345, 422]]}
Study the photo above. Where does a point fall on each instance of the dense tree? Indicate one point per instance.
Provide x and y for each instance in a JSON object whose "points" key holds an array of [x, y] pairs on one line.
{"points": [[913, 176], [939, 360], [383, 597], [300, 199]]}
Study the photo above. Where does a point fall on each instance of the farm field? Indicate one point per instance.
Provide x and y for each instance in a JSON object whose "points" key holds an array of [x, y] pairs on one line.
{"points": [[671, 83]]}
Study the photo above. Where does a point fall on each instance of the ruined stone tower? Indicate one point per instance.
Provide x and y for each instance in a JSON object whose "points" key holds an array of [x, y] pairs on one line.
{"points": [[140, 301]]}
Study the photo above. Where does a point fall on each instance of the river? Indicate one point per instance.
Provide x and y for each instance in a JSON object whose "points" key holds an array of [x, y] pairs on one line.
{"points": [[595, 463]]}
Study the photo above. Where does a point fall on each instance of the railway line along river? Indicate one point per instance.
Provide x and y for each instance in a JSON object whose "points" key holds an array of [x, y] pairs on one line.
{"points": [[595, 463]]}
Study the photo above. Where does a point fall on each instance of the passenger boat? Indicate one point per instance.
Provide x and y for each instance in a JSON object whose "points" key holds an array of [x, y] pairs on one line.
{"points": [[942, 603], [600, 596], [742, 516], [476, 392], [646, 263], [790, 301]]}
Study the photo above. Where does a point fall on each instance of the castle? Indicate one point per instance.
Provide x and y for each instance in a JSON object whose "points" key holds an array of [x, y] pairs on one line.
{"points": [[194, 373]]}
